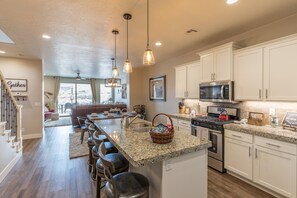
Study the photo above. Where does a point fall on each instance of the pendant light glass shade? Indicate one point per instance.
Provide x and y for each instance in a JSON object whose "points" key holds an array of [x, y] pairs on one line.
{"points": [[127, 68], [148, 56], [113, 81], [115, 72]]}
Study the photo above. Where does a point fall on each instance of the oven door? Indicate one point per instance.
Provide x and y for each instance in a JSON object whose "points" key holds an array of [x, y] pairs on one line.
{"points": [[216, 91], [216, 150]]}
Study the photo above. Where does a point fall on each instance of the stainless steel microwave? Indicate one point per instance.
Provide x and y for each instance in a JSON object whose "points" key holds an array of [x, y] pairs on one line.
{"points": [[220, 91]]}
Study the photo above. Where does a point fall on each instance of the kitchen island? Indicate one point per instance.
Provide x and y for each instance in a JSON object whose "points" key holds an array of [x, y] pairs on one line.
{"points": [[177, 169]]}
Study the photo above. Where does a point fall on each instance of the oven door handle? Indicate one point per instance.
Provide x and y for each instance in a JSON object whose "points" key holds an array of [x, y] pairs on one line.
{"points": [[222, 91]]}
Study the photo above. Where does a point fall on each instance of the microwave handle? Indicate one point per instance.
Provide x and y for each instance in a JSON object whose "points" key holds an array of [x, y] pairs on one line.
{"points": [[222, 91]]}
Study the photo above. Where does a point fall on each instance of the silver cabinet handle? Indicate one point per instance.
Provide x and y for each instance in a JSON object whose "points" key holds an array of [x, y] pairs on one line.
{"points": [[274, 145], [249, 151], [237, 136], [266, 92], [256, 153], [260, 94]]}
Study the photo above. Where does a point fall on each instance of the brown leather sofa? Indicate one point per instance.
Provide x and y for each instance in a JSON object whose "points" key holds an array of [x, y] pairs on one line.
{"points": [[84, 110]]}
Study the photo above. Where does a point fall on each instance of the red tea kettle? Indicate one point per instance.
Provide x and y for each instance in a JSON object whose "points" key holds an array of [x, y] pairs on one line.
{"points": [[223, 115]]}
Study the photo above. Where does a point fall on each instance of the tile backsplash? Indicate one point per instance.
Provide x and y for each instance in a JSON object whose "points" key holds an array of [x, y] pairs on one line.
{"points": [[245, 107]]}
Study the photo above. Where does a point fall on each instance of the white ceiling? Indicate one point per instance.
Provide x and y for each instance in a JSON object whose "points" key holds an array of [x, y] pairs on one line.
{"points": [[81, 29]]}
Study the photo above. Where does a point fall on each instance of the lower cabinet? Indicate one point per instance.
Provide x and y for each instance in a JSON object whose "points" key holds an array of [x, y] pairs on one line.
{"points": [[181, 125], [238, 157], [271, 163], [275, 169]]}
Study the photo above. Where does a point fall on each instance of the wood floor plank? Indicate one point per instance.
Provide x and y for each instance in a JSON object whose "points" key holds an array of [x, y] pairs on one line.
{"points": [[46, 171]]}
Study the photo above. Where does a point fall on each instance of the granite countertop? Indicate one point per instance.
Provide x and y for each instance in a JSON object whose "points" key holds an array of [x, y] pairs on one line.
{"points": [[277, 133], [138, 147], [186, 117]]}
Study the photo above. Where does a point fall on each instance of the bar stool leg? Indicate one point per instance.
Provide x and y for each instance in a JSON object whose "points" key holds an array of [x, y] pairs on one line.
{"points": [[94, 169], [90, 160], [98, 188]]}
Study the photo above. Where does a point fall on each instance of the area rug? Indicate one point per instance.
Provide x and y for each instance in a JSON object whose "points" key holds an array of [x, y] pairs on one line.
{"points": [[76, 149], [63, 121]]}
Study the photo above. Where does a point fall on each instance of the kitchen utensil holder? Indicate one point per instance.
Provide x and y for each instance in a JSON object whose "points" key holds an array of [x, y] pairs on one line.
{"points": [[162, 138]]}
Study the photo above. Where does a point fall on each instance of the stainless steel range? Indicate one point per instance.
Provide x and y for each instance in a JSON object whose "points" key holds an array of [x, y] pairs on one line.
{"points": [[211, 126]]}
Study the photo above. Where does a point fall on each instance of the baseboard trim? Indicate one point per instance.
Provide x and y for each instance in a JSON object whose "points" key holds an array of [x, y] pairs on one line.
{"points": [[32, 136], [8, 168]]}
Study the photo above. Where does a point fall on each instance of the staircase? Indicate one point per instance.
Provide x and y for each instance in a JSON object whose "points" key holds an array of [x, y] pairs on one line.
{"points": [[10, 129]]}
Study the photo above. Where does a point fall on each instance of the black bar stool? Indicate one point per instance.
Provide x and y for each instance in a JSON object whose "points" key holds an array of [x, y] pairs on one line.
{"points": [[120, 164], [98, 139], [81, 121], [126, 184]]}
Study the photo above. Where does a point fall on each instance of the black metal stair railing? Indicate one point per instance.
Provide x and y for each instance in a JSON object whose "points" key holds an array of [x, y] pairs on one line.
{"points": [[8, 109]]}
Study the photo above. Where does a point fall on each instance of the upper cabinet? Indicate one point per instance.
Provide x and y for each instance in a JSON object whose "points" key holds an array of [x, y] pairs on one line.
{"points": [[267, 71], [217, 63], [280, 69], [187, 80], [248, 71]]}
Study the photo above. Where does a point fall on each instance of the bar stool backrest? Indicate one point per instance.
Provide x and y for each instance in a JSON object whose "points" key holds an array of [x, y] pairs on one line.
{"points": [[81, 120], [108, 168]]}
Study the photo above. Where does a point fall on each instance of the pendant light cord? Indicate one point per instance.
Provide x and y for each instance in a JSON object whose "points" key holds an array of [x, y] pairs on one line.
{"points": [[115, 49], [147, 23], [127, 39]]}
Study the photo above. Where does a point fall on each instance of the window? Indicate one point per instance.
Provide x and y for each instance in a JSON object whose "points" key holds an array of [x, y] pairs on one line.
{"points": [[105, 94], [73, 93]]}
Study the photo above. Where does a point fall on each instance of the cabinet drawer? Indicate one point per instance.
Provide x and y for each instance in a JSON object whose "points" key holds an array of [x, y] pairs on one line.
{"points": [[184, 123], [276, 145], [239, 136]]}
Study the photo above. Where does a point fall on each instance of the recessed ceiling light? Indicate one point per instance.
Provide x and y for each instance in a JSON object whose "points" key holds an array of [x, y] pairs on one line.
{"points": [[2, 52], [158, 43], [231, 1], [45, 36]]}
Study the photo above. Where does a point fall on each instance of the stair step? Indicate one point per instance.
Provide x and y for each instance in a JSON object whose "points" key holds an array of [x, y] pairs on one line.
{"points": [[14, 144]]}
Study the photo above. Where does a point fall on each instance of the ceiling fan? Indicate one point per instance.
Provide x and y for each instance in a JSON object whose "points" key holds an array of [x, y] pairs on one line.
{"points": [[78, 77]]}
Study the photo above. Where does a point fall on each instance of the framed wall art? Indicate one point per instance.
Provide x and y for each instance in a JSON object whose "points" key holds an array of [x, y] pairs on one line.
{"points": [[157, 88], [124, 91], [17, 85]]}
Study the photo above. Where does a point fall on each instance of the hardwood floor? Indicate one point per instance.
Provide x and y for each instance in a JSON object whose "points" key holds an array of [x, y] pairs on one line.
{"points": [[45, 171]]}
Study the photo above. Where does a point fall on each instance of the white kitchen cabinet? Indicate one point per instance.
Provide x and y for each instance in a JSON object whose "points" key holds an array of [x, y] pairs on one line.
{"points": [[238, 153], [217, 63], [280, 70], [275, 166], [180, 81], [248, 71], [187, 79]]}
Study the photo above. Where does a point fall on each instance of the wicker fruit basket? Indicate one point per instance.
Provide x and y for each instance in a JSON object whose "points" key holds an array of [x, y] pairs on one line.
{"points": [[162, 134]]}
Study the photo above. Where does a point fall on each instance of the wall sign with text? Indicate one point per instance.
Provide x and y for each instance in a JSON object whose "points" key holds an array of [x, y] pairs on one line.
{"points": [[17, 85]]}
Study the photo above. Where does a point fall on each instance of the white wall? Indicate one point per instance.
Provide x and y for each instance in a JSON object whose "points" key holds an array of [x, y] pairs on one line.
{"points": [[31, 70], [140, 77]]}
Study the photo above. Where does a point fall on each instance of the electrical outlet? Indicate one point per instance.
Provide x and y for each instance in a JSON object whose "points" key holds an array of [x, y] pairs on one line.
{"points": [[271, 111]]}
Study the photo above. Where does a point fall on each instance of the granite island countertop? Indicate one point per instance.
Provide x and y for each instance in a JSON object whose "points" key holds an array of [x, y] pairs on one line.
{"points": [[267, 131], [139, 149]]}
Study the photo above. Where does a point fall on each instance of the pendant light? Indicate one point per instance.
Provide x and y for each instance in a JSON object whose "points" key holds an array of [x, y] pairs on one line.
{"points": [[148, 57], [112, 82], [127, 65], [115, 71]]}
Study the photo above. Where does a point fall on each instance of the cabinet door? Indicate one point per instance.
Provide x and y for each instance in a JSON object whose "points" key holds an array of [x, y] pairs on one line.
{"points": [[275, 170], [194, 76], [180, 82], [248, 66], [238, 158], [280, 70], [223, 64], [207, 67]]}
